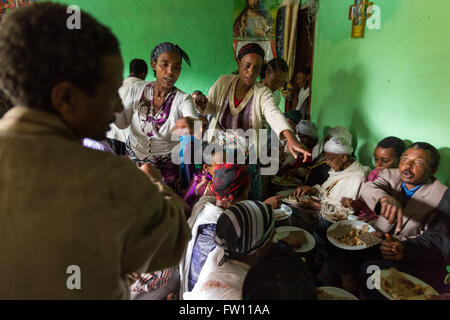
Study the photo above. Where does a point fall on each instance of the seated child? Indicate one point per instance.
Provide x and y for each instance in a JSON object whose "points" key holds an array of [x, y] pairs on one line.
{"points": [[386, 155], [201, 181]]}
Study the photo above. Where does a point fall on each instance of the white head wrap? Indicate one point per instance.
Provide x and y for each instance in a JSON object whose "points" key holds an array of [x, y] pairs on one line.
{"points": [[306, 128], [338, 145], [339, 131]]}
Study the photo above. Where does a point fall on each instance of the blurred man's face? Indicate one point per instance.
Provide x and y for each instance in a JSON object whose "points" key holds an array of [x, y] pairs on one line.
{"points": [[336, 161], [90, 115], [415, 167]]}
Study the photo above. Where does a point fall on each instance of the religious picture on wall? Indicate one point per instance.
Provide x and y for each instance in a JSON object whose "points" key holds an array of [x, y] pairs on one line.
{"points": [[8, 5], [358, 13], [254, 21]]}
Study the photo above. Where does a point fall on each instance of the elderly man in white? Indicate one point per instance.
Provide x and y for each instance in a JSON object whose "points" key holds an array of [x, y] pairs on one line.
{"points": [[346, 176]]}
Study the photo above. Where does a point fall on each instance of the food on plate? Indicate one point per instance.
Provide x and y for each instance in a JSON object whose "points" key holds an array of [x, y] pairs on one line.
{"points": [[324, 295], [296, 239], [401, 288], [334, 213], [349, 235], [279, 215], [336, 216], [369, 239]]}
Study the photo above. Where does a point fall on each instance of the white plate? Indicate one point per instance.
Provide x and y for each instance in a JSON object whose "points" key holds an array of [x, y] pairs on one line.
{"points": [[355, 223], [286, 210], [283, 232], [339, 292], [386, 272], [278, 181], [329, 208], [349, 217]]}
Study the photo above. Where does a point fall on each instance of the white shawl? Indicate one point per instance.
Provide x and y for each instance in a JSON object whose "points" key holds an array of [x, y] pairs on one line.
{"points": [[219, 283], [209, 214], [346, 183]]}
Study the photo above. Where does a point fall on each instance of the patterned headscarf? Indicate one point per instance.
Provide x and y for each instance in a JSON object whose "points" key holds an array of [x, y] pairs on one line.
{"points": [[229, 180], [251, 48], [244, 228], [168, 47]]}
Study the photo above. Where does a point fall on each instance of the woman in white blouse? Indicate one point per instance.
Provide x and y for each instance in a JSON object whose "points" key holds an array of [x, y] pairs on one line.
{"points": [[153, 108]]}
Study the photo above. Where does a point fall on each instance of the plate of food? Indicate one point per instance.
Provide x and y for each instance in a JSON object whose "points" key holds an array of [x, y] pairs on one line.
{"points": [[333, 213], [293, 200], [352, 235], [334, 293], [286, 181], [282, 213], [396, 285], [299, 239]]}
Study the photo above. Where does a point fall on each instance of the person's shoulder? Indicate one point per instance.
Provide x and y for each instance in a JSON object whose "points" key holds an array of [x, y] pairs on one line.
{"points": [[227, 78]]}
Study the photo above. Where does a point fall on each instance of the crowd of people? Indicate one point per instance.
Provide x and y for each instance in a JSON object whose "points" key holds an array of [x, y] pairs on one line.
{"points": [[155, 193]]}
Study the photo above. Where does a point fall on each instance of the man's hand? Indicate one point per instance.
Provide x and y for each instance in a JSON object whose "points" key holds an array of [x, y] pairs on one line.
{"points": [[301, 190], [151, 171], [347, 202], [200, 100], [391, 209], [392, 249], [294, 146], [274, 202]]}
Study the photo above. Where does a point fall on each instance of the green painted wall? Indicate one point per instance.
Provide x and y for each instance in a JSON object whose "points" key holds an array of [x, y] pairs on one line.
{"points": [[203, 28], [395, 81]]}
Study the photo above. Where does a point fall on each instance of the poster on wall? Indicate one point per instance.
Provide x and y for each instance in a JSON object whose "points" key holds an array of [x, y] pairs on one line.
{"points": [[8, 5], [358, 13], [255, 21]]}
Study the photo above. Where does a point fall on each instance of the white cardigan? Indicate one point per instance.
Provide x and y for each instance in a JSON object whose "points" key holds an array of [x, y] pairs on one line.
{"points": [[264, 107], [160, 144]]}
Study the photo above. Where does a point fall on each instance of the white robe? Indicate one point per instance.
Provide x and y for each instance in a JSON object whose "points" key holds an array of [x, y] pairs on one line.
{"points": [[114, 132], [347, 182], [162, 143], [223, 282], [209, 214]]}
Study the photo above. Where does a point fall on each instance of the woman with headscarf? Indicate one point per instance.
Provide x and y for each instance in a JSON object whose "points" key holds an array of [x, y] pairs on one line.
{"points": [[244, 234], [239, 103], [153, 108]]}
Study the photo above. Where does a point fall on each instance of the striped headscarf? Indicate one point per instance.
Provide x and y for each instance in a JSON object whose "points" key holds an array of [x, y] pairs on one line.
{"points": [[244, 228], [168, 47], [229, 181]]}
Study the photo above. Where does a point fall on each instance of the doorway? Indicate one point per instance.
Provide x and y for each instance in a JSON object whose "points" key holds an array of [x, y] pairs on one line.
{"points": [[304, 52]]}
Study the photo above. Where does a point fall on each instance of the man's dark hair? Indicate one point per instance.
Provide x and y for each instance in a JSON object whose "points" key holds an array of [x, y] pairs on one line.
{"points": [[38, 50], [280, 275], [138, 66], [393, 142], [276, 64], [434, 154]]}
